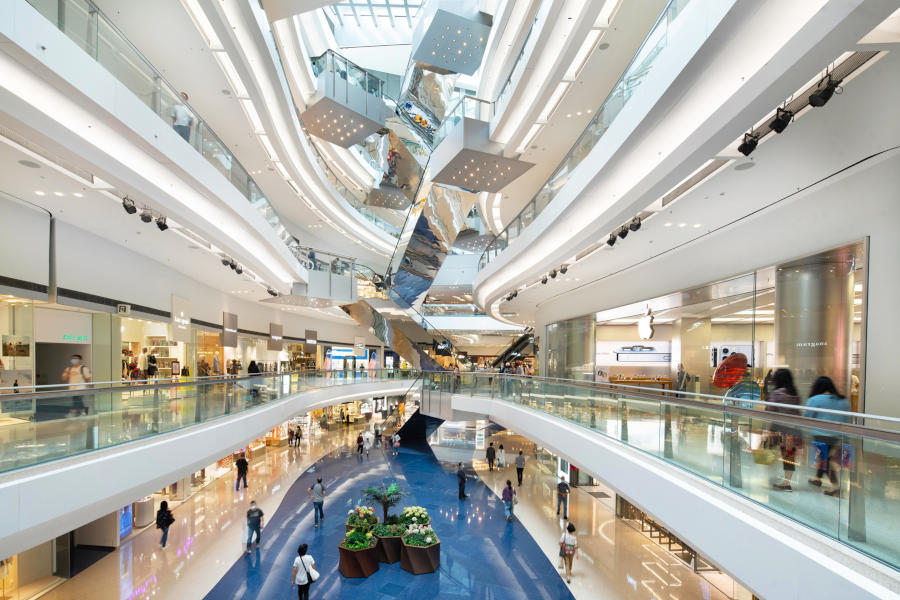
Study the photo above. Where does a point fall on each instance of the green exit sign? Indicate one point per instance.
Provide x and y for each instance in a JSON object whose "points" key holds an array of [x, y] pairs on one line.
{"points": [[74, 338]]}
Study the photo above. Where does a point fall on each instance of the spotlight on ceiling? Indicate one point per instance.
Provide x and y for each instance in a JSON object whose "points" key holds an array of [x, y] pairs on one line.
{"points": [[623, 231], [515, 293], [272, 292], [782, 119], [233, 264], [161, 223], [553, 274], [544, 280], [822, 95], [749, 144], [563, 269], [146, 215], [635, 224], [611, 240], [226, 261], [128, 205], [239, 269]]}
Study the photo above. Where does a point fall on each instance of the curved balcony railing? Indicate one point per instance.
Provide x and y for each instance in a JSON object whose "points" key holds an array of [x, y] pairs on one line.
{"points": [[506, 90], [54, 423], [735, 443], [468, 107], [631, 79], [93, 32]]}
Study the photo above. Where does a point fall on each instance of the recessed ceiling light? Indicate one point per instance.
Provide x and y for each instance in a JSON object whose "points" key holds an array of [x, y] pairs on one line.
{"points": [[40, 193], [667, 224], [682, 224], [58, 194], [696, 225], [78, 195]]}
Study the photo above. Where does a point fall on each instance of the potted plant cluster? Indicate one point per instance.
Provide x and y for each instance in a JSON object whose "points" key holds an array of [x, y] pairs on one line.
{"points": [[389, 536], [387, 496], [420, 550], [361, 518], [357, 554]]}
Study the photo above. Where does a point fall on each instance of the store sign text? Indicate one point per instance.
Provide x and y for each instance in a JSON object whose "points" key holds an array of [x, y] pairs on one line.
{"points": [[75, 338]]}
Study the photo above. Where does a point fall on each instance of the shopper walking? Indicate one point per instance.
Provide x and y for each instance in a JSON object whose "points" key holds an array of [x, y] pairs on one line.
{"points": [[290, 436], [461, 481], [254, 524], [787, 436], [395, 442], [520, 467], [377, 436], [491, 454], [317, 493], [825, 395], [562, 497], [304, 572], [509, 498], [359, 444], [367, 443], [501, 457], [182, 119], [164, 520], [242, 465], [568, 547]]}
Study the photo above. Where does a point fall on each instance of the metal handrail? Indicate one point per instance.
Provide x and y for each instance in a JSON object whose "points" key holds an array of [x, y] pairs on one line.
{"points": [[721, 403]]}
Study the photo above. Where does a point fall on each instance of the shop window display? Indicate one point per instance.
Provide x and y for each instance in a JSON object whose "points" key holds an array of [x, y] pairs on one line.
{"points": [[16, 345]]}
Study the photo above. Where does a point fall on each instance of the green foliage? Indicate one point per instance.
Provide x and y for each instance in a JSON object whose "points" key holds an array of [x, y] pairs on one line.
{"points": [[385, 495], [362, 518], [393, 520], [414, 515], [358, 540], [420, 539], [389, 529]]}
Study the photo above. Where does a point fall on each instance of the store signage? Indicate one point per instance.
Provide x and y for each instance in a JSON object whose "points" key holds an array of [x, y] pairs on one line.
{"points": [[229, 337], [645, 325], [123, 309], [53, 326], [72, 337], [359, 343], [311, 336], [180, 327], [276, 332]]}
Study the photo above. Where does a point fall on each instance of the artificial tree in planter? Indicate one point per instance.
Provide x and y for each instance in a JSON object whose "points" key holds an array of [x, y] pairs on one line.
{"points": [[358, 554], [420, 550], [385, 495], [389, 540]]}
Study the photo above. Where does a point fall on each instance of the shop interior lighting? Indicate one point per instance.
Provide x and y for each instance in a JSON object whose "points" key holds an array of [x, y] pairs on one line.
{"points": [[128, 205], [226, 261], [611, 240], [161, 223], [544, 280], [623, 231], [271, 292], [146, 215], [553, 274], [239, 268], [563, 269], [635, 224]]}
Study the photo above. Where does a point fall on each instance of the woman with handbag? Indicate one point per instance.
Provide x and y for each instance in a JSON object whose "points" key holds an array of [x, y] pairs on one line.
{"points": [[568, 545], [304, 573], [785, 394]]}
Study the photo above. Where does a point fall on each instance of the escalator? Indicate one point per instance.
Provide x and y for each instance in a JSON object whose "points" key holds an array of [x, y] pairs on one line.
{"points": [[521, 347]]}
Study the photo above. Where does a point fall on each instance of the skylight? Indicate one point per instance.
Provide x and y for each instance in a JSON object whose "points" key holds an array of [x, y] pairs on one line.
{"points": [[377, 13]]}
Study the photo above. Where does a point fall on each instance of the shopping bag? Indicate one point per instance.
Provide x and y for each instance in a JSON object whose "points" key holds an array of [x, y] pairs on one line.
{"points": [[764, 456]]}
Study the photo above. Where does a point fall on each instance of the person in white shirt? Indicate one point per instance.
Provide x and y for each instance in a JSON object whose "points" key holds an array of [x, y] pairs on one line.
{"points": [[568, 547], [77, 375], [182, 119], [143, 363], [304, 572]]}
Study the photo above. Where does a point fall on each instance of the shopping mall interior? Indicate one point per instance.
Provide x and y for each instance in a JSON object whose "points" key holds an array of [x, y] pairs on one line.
{"points": [[492, 299]]}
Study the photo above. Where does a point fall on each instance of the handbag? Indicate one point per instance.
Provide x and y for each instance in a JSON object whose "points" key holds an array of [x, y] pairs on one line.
{"points": [[311, 574], [515, 498]]}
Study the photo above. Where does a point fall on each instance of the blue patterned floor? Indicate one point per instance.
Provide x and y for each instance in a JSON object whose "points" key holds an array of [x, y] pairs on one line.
{"points": [[482, 556]]}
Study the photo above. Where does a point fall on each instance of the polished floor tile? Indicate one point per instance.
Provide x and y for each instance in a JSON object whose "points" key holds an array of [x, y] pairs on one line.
{"points": [[482, 556]]}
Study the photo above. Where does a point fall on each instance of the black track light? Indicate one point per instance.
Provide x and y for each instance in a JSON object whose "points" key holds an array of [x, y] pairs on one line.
{"points": [[553, 274], [515, 293], [239, 269], [563, 269], [272, 292], [226, 262], [623, 231], [635, 224], [783, 118], [233, 264], [128, 205], [161, 223], [611, 240], [544, 280], [822, 95], [749, 144], [146, 215]]}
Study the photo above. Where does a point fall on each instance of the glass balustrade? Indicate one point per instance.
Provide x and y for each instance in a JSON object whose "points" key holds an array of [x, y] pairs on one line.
{"points": [[57, 422], [468, 107], [84, 24], [736, 444], [642, 63]]}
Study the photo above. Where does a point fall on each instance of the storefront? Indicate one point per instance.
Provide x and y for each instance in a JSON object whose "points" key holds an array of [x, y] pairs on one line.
{"points": [[16, 343], [727, 338]]}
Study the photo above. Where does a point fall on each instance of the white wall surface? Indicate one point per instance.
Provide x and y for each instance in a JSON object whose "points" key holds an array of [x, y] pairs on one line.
{"points": [[24, 242], [43, 502], [772, 556]]}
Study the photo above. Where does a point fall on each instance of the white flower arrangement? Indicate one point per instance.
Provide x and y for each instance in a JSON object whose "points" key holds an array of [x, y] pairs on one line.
{"points": [[423, 529], [415, 514]]}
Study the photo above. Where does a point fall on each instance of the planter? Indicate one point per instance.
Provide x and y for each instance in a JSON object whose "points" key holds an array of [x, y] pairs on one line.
{"points": [[420, 559], [389, 548], [358, 563], [350, 527]]}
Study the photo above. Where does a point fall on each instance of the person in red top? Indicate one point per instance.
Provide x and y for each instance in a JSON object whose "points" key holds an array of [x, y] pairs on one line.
{"points": [[359, 444]]}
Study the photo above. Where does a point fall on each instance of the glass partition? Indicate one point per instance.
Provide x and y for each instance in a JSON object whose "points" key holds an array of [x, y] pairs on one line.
{"points": [[843, 475], [637, 70]]}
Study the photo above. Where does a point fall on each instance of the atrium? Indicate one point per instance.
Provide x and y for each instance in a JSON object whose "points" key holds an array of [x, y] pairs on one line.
{"points": [[489, 299]]}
